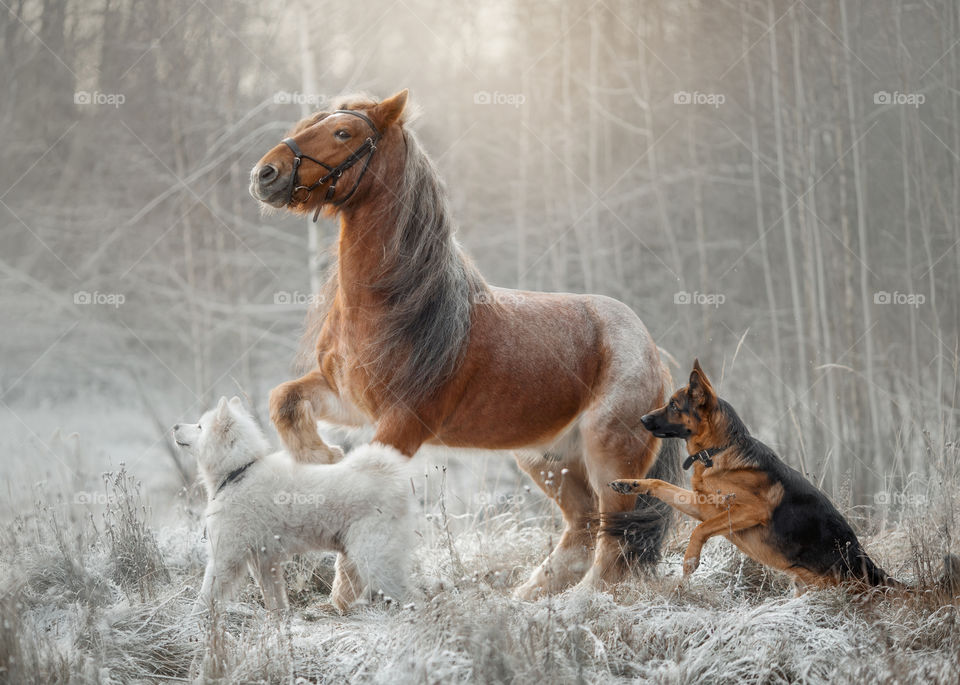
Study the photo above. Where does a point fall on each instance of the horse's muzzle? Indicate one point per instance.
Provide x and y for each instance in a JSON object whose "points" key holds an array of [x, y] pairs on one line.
{"points": [[268, 185]]}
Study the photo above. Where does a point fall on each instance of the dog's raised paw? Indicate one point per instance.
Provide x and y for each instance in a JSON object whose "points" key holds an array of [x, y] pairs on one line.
{"points": [[625, 487]]}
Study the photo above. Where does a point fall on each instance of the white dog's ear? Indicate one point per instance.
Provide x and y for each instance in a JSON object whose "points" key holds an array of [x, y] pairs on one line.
{"points": [[236, 402], [222, 410]]}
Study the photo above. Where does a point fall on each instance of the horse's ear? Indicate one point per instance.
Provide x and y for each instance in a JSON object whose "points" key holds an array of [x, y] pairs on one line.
{"points": [[389, 111]]}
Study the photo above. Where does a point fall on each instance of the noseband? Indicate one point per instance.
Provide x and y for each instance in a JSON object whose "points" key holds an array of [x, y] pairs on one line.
{"points": [[333, 172]]}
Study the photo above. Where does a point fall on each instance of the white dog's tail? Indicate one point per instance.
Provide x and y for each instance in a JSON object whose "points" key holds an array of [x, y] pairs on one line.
{"points": [[377, 456]]}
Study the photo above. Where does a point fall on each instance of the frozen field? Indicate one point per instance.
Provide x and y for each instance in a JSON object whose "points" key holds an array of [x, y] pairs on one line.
{"points": [[99, 577]]}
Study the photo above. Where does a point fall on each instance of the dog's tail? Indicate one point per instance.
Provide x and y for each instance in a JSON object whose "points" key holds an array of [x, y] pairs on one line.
{"points": [[641, 532], [868, 572], [860, 567], [950, 581]]}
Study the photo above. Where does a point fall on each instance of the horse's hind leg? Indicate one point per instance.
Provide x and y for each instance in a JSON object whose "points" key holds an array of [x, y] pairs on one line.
{"points": [[614, 449], [292, 412], [347, 584], [564, 480]]}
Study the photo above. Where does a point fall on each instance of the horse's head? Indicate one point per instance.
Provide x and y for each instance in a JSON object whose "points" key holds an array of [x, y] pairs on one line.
{"points": [[325, 159]]}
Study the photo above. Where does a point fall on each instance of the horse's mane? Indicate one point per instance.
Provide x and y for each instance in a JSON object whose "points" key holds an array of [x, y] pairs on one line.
{"points": [[429, 286]]}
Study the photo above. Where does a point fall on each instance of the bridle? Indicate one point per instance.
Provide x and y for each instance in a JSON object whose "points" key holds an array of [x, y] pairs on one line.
{"points": [[333, 172]]}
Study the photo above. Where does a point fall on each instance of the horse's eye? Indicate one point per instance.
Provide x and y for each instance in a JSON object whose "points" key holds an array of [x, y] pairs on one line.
{"points": [[342, 134]]}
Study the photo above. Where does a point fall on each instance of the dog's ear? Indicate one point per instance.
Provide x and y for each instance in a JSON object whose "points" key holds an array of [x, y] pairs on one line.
{"points": [[223, 411], [236, 402], [700, 389]]}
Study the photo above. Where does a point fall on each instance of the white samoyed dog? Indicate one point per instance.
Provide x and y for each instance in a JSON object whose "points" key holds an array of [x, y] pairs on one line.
{"points": [[263, 507]]}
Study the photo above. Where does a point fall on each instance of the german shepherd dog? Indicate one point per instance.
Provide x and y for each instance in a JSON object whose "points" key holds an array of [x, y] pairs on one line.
{"points": [[743, 491]]}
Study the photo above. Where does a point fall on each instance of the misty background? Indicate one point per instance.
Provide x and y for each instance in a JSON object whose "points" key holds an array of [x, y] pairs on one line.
{"points": [[772, 186]]}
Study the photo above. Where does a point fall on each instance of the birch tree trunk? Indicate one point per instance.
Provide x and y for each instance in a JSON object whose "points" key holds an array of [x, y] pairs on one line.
{"points": [[866, 301]]}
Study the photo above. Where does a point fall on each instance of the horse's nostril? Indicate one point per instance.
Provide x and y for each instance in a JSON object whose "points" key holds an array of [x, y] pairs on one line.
{"points": [[267, 173]]}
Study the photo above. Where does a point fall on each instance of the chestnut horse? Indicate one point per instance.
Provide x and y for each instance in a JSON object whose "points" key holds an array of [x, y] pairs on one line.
{"points": [[412, 338]]}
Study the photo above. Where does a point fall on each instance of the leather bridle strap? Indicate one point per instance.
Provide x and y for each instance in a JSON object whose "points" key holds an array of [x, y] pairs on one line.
{"points": [[334, 173]]}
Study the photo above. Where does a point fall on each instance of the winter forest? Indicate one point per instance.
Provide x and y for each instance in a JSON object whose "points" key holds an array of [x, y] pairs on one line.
{"points": [[773, 186]]}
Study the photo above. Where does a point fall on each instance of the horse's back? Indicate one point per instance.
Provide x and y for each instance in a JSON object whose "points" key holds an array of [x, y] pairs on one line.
{"points": [[536, 361], [578, 324]]}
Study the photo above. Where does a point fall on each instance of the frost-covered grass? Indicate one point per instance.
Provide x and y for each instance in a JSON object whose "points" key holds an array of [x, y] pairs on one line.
{"points": [[103, 591]]}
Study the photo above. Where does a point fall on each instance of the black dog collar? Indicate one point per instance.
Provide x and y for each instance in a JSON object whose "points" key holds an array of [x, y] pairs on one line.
{"points": [[706, 456], [233, 476]]}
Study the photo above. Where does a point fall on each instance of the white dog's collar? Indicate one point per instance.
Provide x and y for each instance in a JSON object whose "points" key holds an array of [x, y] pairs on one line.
{"points": [[234, 475]]}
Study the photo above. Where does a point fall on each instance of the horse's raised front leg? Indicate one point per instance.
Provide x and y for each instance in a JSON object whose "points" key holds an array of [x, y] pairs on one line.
{"points": [[292, 412]]}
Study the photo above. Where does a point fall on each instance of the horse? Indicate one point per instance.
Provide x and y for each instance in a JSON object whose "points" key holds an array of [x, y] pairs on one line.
{"points": [[409, 336]]}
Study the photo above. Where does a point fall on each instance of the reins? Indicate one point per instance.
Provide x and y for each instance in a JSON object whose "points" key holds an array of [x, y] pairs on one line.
{"points": [[334, 173]]}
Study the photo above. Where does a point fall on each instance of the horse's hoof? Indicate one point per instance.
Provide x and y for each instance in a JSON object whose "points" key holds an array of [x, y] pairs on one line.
{"points": [[528, 592]]}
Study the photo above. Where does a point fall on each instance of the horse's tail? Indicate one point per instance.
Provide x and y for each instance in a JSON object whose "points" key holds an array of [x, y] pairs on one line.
{"points": [[643, 530]]}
